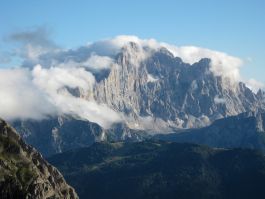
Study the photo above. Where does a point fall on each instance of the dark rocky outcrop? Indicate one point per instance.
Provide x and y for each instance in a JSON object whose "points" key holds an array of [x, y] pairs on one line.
{"points": [[24, 174]]}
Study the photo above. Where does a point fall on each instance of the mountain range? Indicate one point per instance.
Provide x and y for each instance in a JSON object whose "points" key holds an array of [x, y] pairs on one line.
{"points": [[156, 94], [103, 126]]}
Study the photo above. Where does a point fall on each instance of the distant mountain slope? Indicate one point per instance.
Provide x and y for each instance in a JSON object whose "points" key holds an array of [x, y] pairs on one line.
{"points": [[246, 130], [24, 174], [163, 170], [59, 134]]}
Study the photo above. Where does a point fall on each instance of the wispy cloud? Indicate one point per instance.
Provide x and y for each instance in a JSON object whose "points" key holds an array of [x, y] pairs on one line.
{"points": [[20, 98], [32, 43]]}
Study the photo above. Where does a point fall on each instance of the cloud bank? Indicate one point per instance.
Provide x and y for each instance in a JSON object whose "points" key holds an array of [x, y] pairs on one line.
{"points": [[41, 93], [54, 83], [20, 98], [49, 77]]}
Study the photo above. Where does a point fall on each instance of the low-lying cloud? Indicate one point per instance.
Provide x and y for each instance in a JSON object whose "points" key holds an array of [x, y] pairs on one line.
{"points": [[54, 83], [41, 93], [20, 98]]}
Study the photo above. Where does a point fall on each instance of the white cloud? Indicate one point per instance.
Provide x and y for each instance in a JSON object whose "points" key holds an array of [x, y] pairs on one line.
{"points": [[219, 100], [222, 64], [255, 85], [94, 63], [53, 79], [99, 55], [111, 47], [37, 94], [54, 82], [19, 98]]}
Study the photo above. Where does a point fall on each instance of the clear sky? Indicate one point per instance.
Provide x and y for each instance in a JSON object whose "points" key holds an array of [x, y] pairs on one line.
{"points": [[236, 27]]}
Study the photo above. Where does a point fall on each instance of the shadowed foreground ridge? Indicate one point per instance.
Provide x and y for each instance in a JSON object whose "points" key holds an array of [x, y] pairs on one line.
{"points": [[25, 174], [156, 169]]}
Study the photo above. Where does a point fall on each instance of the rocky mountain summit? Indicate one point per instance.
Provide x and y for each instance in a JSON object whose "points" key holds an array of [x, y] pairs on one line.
{"points": [[163, 91], [25, 174]]}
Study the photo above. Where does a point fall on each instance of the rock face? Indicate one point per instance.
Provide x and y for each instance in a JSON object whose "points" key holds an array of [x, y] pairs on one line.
{"points": [[163, 170], [165, 88], [59, 134], [24, 173], [246, 130], [55, 135]]}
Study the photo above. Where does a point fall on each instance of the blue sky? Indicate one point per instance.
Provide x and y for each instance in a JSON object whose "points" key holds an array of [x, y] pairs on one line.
{"points": [[236, 27]]}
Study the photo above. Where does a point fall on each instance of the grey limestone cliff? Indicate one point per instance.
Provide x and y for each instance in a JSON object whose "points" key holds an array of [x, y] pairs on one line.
{"points": [[166, 89]]}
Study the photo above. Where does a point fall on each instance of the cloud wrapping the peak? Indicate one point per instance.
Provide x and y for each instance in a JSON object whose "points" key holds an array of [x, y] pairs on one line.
{"points": [[41, 93], [99, 55], [255, 85], [93, 63], [55, 81], [44, 85], [221, 63]]}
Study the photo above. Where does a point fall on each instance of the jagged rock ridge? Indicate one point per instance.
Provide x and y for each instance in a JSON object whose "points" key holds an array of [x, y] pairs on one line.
{"points": [[163, 89]]}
